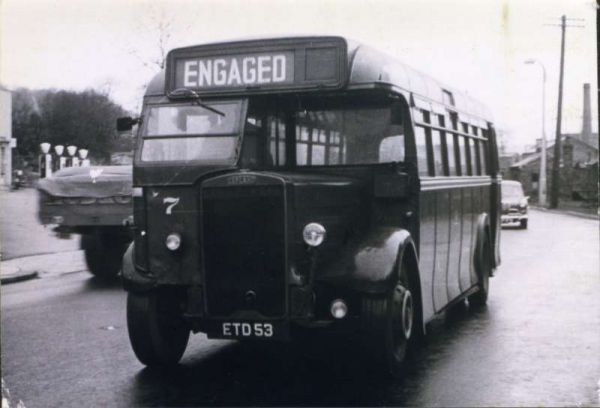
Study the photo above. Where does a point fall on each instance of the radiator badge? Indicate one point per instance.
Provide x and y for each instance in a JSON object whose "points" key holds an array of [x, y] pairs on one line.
{"points": [[172, 201], [241, 179]]}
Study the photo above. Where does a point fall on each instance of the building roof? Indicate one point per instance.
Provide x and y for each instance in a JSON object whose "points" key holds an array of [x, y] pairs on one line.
{"points": [[537, 155]]}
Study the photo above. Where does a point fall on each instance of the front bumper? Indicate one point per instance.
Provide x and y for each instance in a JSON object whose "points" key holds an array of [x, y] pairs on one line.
{"points": [[513, 218]]}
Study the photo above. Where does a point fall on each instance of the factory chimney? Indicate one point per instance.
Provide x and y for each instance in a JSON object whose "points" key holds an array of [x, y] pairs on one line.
{"points": [[586, 130]]}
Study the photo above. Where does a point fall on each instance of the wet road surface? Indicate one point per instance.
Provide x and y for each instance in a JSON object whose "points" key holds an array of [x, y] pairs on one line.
{"points": [[64, 343]]}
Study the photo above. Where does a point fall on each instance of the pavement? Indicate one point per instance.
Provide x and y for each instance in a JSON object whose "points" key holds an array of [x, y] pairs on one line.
{"points": [[28, 249], [577, 212], [31, 267]]}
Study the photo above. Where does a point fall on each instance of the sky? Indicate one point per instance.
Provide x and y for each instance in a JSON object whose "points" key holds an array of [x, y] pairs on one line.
{"points": [[478, 46]]}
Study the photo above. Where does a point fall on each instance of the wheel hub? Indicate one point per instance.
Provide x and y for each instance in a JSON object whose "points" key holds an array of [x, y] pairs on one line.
{"points": [[403, 297]]}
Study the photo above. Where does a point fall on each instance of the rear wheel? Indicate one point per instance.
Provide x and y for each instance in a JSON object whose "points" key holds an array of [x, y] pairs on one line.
{"points": [[104, 252], [484, 270], [157, 331], [390, 326]]}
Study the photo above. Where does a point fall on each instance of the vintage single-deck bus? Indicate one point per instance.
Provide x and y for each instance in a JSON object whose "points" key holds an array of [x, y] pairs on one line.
{"points": [[301, 183]]}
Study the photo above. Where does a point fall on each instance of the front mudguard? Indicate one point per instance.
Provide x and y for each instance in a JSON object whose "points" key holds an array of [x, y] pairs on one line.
{"points": [[133, 279], [371, 265]]}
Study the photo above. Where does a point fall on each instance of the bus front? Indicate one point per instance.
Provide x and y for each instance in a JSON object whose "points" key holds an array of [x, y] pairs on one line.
{"points": [[251, 177]]}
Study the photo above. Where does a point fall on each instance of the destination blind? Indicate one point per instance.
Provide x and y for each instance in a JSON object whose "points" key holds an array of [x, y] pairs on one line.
{"points": [[234, 71]]}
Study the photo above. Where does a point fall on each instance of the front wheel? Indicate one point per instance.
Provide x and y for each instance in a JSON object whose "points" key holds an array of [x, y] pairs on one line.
{"points": [[390, 324], [523, 224], [157, 331]]}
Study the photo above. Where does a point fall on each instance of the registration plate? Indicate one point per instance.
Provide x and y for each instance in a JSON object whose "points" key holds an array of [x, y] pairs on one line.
{"points": [[244, 329]]}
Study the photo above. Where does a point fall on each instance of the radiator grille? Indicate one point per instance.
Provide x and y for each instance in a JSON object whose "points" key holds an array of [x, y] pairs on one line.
{"points": [[244, 249]]}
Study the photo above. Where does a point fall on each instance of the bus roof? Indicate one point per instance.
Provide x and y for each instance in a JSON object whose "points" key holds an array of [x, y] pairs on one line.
{"points": [[368, 67]]}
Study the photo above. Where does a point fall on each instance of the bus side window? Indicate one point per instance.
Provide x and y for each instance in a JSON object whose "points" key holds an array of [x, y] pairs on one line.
{"points": [[483, 156], [454, 120], [465, 127], [451, 152], [318, 146], [391, 145], [438, 163], [475, 163], [463, 156], [277, 140], [469, 159], [421, 145], [391, 149]]}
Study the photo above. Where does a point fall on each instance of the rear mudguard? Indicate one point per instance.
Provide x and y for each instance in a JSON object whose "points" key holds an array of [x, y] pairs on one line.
{"points": [[483, 232], [370, 266], [133, 280]]}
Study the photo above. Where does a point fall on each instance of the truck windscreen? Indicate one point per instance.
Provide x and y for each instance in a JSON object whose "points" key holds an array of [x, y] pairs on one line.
{"points": [[189, 132]]}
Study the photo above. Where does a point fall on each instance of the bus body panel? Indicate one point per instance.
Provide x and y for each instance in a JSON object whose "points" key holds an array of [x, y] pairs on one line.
{"points": [[453, 268]]}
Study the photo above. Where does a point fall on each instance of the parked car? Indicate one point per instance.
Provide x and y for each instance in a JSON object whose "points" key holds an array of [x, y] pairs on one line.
{"points": [[514, 204], [18, 179]]}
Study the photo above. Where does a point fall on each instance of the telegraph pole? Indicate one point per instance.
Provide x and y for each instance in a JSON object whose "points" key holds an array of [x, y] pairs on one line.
{"points": [[557, 148], [554, 193]]}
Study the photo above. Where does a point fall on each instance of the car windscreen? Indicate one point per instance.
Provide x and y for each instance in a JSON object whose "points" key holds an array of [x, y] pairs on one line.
{"points": [[512, 191], [190, 132]]}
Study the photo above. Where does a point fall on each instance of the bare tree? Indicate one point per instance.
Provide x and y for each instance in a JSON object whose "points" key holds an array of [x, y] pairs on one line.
{"points": [[158, 27]]}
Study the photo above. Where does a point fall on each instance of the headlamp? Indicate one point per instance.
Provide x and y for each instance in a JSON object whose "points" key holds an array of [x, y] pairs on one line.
{"points": [[173, 241], [314, 234]]}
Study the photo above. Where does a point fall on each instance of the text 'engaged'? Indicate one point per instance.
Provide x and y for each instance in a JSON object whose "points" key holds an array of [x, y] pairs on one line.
{"points": [[235, 71]]}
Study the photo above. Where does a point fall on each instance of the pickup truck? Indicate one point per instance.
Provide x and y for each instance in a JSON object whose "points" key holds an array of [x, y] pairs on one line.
{"points": [[95, 202]]}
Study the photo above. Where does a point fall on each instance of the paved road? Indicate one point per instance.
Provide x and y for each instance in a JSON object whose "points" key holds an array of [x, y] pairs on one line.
{"points": [[21, 234], [64, 343]]}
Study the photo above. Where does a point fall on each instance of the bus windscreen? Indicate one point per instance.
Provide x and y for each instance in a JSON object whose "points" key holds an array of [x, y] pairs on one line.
{"points": [[191, 133]]}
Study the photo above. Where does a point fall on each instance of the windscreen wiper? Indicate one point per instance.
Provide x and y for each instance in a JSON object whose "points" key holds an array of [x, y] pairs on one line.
{"points": [[189, 93]]}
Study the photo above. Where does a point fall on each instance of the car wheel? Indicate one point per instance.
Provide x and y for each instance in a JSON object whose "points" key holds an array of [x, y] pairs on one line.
{"points": [[103, 253], [523, 224]]}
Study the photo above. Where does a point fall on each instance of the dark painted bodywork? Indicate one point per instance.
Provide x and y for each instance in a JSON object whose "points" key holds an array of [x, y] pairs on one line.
{"points": [[373, 216]]}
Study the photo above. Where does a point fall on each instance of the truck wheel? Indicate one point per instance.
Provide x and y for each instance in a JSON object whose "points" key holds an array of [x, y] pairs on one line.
{"points": [[103, 253], [484, 270], [389, 322], [524, 224], [157, 332]]}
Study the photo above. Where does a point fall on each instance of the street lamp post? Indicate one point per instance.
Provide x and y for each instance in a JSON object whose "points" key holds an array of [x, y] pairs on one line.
{"points": [[542, 178]]}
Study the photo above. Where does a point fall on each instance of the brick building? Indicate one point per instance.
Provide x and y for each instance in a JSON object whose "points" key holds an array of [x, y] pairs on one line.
{"points": [[578, 163]]}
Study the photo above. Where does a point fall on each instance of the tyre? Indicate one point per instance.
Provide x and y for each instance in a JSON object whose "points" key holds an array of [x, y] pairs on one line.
{"points": [[484, 269], [103, 253], [391, 326], [524, 224], [157, 331]]}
